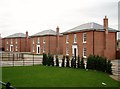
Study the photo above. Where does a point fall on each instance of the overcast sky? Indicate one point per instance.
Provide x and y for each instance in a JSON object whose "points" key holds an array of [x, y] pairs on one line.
{"points": [[38, 15]]}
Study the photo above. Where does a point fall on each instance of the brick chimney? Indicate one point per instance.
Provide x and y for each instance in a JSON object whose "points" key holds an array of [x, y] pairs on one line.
{"points": [[105, 24], [26, 47], [57, 40]]}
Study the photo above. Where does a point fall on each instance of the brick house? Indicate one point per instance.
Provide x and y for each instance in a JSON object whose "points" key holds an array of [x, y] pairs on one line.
{"points": [[17, 42], [90, 38], [47, 41]]}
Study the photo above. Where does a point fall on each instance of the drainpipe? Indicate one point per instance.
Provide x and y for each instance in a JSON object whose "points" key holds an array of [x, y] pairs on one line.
{"points": [[93, 41]]}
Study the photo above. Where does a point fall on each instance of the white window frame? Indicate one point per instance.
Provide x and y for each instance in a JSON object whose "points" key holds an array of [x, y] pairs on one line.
{"points": [[33, 49], [7, 47], [16, 48], [6, 41], [75, 38], [84, 52], [84, 37], [38, 40], [33, 41], [67, 38], [44, 48], [44, 40], [11, 41], [67, 50], [16, 41]]}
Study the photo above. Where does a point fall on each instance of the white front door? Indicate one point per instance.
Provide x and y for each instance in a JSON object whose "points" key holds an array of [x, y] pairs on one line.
{"points": [[75, 49], [38, 49], [11, 48]]}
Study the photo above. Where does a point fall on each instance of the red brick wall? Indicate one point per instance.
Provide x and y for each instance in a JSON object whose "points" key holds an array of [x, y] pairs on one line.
{"points": [[50, 44], [93, 46], [21, 44]]}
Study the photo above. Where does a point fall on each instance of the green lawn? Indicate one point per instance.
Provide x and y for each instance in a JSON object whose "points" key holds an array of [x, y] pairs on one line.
{"points": [[44, 76]]}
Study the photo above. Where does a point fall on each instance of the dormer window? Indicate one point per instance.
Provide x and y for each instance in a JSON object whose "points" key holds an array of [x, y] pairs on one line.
{"points": [[67, 38], [84, 37], [75, 38]]}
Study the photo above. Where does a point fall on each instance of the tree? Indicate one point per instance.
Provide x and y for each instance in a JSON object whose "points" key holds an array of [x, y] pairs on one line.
{"points": [[57, 61], [78, 64], [63, 61], [67, 63]]}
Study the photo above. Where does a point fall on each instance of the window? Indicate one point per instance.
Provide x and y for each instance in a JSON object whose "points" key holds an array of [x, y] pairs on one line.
{"points": [[6, 41], [16, 48], [67, 38], [84, 37], [67, 50], [33, 41], [44, 48], [6, 47], [38, 40], [84, 52], [44, 40], [11, 41], [33, 48], [75, 38], [16, 41]]}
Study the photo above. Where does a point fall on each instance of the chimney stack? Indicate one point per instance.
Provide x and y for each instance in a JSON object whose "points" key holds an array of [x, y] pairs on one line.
{"points": [[57, 40], [105, 24], [57, 29], [26, 34], [26, 47]]}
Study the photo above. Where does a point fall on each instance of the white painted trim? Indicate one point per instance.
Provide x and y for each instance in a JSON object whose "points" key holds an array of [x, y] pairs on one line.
{"points": [[37, 49], [75, 46], [11, 48]]}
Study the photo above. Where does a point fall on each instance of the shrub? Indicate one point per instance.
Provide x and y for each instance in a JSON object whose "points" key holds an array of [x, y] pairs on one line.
{"points": [[63, 61], [57, 61], [99, 63], [78, 64], [67, 63], [72, 62], [108, 68], [82, 63], [45, 59]]}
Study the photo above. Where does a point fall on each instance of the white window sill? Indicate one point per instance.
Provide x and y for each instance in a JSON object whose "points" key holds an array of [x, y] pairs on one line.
{"points": [[85, 42], [75, 42], [67, 42], [84, 56], [67, 54]]}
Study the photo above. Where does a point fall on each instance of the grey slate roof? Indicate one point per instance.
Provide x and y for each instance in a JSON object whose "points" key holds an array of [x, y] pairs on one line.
{"points": [[45, 32], [16, 35], [88, 26]]}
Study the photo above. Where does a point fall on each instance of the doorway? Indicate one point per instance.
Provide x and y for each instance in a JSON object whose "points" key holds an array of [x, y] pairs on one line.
{"points": [[74, 50], [11, 48], [38, 49]]}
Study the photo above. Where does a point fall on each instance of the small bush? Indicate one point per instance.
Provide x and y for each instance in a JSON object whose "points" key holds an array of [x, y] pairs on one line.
{"points": [[78, 64], [57, 61], [109, 67], [45, 59], [72, 62], [63, 61], [67, 63], [82, 63]]}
